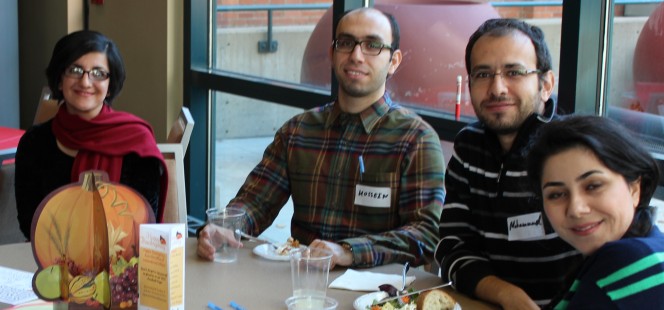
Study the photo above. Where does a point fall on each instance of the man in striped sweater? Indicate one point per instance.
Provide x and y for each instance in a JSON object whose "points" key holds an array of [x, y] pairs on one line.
{"points": [[496, 245]]}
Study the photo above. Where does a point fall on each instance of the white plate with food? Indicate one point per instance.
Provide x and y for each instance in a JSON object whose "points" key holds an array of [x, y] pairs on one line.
{"points": [[267, 251], [365, 301], [272, 252]]}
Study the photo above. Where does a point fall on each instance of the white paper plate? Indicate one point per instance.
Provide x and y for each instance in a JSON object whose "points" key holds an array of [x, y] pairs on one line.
{"points": [[362, 302], [266, 251]]}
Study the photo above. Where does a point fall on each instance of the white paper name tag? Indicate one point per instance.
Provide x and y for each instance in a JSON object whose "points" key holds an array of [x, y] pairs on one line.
{"points": [[370, 196], [525, 227]]}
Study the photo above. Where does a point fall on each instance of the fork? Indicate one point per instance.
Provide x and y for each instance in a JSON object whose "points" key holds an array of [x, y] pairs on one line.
{"points": [[256, 239], [406, 267]]}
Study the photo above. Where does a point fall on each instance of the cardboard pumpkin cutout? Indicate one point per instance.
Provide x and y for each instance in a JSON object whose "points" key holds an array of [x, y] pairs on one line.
{"points": [[85, 242]]}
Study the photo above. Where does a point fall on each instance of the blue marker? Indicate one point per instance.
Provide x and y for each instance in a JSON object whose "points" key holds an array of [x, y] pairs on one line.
{"points": [[213, 306], [361, 167], [235, 306]]}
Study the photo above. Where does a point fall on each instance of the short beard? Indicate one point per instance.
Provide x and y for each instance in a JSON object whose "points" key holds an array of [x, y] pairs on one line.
{"points": [[355, 92], [500, 127], [505, 127]]}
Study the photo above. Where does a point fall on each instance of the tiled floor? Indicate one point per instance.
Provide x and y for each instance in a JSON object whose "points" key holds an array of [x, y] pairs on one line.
{"points": [[235, 159]]}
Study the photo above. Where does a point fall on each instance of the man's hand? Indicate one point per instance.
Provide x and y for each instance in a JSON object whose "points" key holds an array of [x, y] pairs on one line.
{"points": [[340, 256], [211, 237], [506, 294]]}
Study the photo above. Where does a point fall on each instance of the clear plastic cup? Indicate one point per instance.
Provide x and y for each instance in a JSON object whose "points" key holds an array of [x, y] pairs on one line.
{"points": [[310, 270], [229, 220]]}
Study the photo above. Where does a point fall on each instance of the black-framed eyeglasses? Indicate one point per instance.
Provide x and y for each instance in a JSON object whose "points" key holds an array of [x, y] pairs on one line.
{"points": [[509, 75], [368, 47], [94, 74]]}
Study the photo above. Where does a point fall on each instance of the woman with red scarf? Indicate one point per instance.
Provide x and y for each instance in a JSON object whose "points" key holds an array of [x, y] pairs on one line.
{"points": [[85, 74]]}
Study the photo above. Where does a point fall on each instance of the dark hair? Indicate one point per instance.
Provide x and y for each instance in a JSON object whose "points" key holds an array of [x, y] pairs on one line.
{"points": [[499, 27], [613, 146], [396, 32], [72, 47]]}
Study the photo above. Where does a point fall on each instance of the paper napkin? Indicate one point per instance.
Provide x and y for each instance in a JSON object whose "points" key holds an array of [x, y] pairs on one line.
{"points": [[367, 281]]}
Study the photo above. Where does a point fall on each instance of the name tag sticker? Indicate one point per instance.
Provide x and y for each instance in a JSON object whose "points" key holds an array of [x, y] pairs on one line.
{"points": [[370, 196], [525, 227]]}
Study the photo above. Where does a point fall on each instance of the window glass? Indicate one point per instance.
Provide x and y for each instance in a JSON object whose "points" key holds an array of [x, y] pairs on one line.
{"points": [[636, 72], [265, 39], [244, 127], [433, 41], [433, 44], [543, 14]]}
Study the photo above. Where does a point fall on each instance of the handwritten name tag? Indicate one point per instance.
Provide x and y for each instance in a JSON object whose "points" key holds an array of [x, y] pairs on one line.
{"points": [[525, 227], [371, 196]]}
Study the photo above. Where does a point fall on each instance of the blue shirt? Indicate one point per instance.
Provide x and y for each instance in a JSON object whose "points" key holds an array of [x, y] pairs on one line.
{"points": [[623, 274]]}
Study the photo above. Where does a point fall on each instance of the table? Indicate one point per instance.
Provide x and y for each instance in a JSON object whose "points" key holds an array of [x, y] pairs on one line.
{"points": [[253, 282]]}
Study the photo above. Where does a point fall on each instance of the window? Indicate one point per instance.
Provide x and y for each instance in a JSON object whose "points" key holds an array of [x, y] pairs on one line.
{"points": [[250, 70], [636, 73]]}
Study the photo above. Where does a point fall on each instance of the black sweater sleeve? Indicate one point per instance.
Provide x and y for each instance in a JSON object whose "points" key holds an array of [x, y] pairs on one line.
{"points": [[40, 169]]}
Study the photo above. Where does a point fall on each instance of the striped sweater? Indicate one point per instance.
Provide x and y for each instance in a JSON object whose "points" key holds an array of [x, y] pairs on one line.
{"points": [[488, 201], [623, 274]]}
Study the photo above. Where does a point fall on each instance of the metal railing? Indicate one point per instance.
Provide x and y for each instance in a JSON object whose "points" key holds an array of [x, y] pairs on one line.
{"points": [[271, 46]]}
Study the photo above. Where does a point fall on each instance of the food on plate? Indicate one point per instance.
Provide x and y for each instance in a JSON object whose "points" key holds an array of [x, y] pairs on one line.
{"points": [[435, 300], [430, 300], [390, 306], [290, 244]]}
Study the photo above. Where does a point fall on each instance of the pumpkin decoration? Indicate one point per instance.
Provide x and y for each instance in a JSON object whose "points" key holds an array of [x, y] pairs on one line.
{"points": [[85, 238]]}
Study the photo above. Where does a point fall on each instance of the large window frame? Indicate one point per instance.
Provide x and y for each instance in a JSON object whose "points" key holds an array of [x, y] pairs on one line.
{"points": [[582, 82]]}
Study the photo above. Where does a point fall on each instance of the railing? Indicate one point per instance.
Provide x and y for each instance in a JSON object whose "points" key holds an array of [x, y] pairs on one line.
{"points": [[271, 46]]}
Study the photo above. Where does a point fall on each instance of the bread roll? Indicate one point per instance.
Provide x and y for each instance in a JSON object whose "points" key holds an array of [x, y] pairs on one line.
{"points": [[435, 300]]}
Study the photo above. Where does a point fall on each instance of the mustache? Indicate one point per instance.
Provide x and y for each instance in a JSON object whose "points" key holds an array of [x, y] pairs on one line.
{"points": [[497, 99]]}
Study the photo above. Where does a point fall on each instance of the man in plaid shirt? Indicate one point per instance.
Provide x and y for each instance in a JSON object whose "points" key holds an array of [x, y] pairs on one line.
{"points": [[365, 174]]}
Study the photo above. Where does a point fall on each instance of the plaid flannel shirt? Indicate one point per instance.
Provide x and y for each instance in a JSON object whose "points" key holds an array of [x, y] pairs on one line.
{"points": [[315, 159]]}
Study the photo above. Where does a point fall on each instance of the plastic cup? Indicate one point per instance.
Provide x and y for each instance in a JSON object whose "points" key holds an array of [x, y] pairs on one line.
{"points": [[311, 303], [228, 220], [310, 269]]}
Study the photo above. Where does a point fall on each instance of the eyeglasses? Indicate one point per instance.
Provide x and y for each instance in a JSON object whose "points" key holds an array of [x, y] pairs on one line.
{"points": [[511, 75], [368, 47], [95, 74]]}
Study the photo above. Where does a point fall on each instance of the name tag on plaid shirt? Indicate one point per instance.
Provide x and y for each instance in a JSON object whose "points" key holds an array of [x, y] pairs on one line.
{"points": [[371, 196]]}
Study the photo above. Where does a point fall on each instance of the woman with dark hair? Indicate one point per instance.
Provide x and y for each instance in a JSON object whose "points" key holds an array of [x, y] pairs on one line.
{"points": [[85, 74], [596, 183]]}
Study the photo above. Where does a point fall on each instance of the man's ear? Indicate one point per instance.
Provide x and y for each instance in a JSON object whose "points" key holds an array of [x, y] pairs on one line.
{"points": [[547, 83], [394, 62]]}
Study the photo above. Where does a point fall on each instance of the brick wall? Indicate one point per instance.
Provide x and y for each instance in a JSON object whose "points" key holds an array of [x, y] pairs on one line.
{"points": [[531, 12]]}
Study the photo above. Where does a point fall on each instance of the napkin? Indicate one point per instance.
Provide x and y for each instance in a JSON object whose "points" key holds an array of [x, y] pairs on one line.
{"points": [[367, 281]]}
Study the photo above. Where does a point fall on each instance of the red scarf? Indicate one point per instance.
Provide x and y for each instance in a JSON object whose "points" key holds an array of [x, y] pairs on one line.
{"points": [[103, 141]]}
